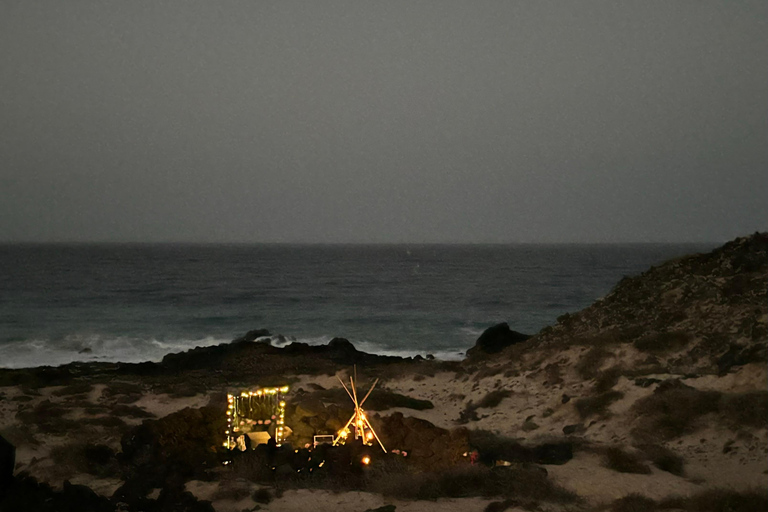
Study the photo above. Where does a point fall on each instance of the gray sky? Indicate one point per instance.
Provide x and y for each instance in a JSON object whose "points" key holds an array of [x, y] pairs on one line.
{"points": [[383, 121]]}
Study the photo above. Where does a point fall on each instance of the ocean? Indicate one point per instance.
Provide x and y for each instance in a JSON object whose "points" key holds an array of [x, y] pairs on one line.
{"points": [[134, 302]]}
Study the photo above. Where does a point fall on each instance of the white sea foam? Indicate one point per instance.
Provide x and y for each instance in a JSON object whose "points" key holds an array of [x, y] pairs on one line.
{"points": [[126, 349], [90, 348]]}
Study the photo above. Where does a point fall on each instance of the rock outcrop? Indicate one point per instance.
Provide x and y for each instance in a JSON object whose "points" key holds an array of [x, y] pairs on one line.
{"points": [[7, 463], [706, 311], [495, 339], [429, 447]]}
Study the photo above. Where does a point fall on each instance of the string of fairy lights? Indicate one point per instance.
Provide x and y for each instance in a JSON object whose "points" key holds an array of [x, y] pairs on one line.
{"points": [[238, 404]]}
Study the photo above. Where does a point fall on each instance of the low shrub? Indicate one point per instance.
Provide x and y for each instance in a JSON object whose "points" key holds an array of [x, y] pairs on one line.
{"points": [[130, 411], [624, 462], [745, 409], [607, 379], [490, 400], [122, 388], [589, 365], [49, 418], [380, 399], [77, 388], [720, 500], [666, 341], [492, 447], [527, 483], [104, 421], [262, 496], [634, 503], [493, 398], [597, 405], [664, 459], [94, 459], [672, 410]]}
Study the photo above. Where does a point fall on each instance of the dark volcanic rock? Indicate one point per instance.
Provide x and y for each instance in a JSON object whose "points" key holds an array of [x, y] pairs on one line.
{"points": [[247, 358], [495, 339], [7, 463], [429, 447], [27, 493], [176, 447], [493, 448], [253, 335]]}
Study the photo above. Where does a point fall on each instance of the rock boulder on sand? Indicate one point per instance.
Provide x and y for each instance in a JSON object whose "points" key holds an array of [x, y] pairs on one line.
{"points": [[495, 339]]}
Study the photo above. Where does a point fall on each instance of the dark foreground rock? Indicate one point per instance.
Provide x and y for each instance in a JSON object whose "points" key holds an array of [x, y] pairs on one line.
{"points": [[178, 446], [7, 463], [495, 339], [493, 448], [247, 357], [429, 447], [26, 493]]}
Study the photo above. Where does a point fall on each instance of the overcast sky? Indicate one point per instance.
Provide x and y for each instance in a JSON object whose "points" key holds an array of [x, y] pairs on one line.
{"points": [[383, 121]]}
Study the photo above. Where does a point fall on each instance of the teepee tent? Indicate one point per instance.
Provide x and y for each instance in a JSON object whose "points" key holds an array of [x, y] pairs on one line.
{"points": [[359, 420]]}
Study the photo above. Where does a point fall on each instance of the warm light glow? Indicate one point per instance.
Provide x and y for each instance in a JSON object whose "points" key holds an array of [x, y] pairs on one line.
{"points": [[366, 460], [234, 412], [369, 436]]}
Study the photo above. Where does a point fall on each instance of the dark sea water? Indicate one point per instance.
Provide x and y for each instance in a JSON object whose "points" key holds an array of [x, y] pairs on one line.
{"points": [[61, 303]]}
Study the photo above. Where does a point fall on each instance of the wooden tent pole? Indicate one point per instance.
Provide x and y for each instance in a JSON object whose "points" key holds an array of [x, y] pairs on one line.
{"points": [[369, 392], [345, 388], [343, 429]]}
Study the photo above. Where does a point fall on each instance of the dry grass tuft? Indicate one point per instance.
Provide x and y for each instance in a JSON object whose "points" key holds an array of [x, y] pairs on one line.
{"points": [[490, 400], [589, 365], [624, 462], [634, 503], [672, 410], [662, 342], [528, 483], [597, 405], [664, 459]]}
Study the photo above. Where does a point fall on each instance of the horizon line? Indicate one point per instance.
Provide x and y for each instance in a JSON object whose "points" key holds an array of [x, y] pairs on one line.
{"points": [[359, 243]]}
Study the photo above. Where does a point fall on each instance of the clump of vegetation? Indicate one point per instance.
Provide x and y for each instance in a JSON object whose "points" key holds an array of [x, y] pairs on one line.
{"points": [[553, 374], [633, 503], [714, 500], [262, 495], [384, 399], [607, 379], [720, 500], [104, 421], [123, 392], [95, 459], [672, 410], [490, 401], [494, 398], [745, 409], [459, 482], [589, 365], [492, 447], [130, 411], [501, 506], [664, 459], [77, 388], [597, 405], [380, 399], [48, 417], [624, 462], [665, 341]]}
